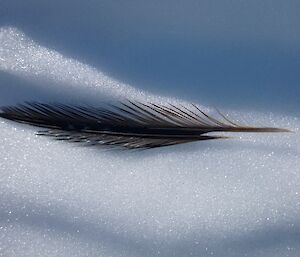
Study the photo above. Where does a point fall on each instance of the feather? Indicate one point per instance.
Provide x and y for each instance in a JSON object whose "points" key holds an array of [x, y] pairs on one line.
{"points": [[131, 125]]}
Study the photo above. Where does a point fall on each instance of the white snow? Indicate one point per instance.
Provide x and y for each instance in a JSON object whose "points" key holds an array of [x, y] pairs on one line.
{"points": [[237, 197]]}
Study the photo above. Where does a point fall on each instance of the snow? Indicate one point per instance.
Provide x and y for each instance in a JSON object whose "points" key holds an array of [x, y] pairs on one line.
{"points": [[236, 197]]}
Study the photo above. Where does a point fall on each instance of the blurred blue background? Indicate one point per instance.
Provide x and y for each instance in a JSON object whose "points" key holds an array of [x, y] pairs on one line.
{"points": [[229, 53]]}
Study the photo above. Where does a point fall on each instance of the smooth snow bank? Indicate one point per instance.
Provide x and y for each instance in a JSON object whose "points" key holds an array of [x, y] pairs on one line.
{"points": [[22, 57], [49, 75], [237, 197]]}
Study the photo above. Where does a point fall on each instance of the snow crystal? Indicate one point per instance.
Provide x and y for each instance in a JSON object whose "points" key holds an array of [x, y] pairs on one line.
{"points": [[236, 197]]}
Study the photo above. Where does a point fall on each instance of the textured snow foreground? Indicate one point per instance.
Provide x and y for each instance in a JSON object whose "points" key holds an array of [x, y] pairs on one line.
{"points": [[237, 197]]}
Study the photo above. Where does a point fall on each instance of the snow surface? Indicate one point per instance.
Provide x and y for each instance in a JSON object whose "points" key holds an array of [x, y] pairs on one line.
{"points": [[236, 197]]}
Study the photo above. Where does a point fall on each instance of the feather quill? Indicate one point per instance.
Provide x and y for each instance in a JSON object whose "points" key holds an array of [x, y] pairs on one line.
{"points": [[130, 125]]}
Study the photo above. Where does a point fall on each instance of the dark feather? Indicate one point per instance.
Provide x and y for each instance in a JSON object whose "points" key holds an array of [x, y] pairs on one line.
{"points": [[132, 125]]}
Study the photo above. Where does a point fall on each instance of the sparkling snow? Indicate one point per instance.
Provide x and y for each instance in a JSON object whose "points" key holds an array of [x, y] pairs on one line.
{"points": [[236, 197]]}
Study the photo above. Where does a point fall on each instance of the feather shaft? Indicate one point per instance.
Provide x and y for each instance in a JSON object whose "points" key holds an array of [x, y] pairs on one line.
{"points": [[131, 125]]}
